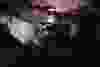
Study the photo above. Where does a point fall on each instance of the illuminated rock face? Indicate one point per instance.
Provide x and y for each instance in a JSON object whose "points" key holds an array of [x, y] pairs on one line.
{"points": [[76, 4], [57, 5], [61, 3], [64, 4]]}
